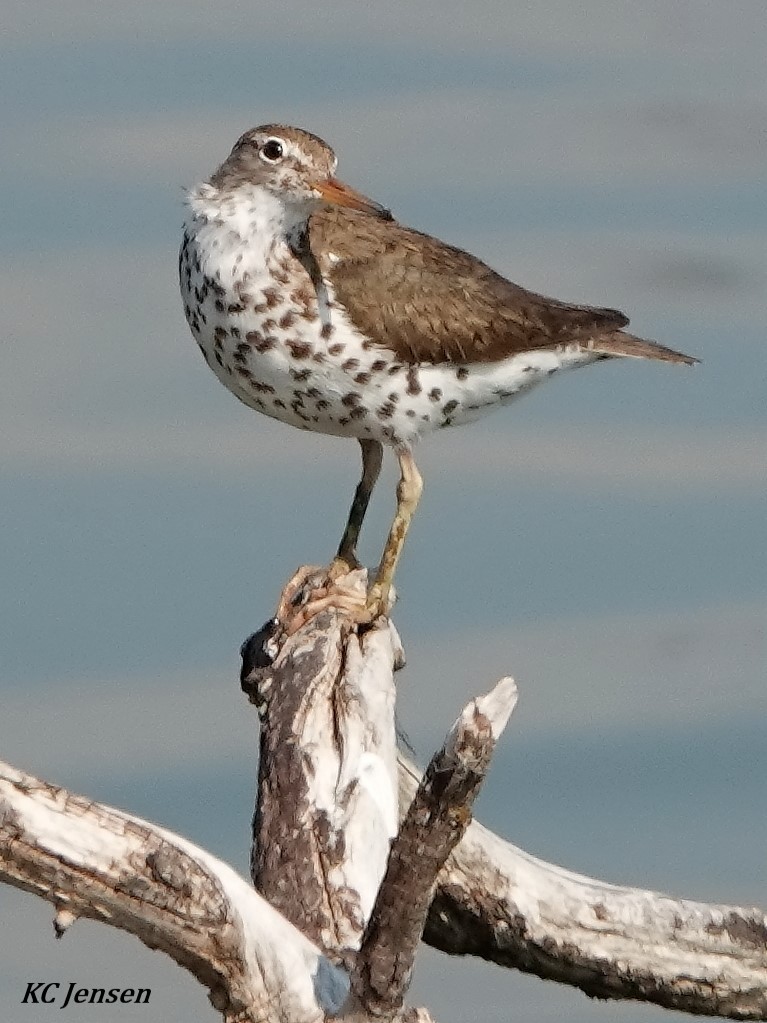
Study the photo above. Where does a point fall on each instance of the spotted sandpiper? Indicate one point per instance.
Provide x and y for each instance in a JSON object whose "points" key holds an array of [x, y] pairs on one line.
{"points": [[315, 307]]}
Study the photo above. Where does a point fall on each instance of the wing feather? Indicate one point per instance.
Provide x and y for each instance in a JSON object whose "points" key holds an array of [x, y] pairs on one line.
{"points": [[432, 302]]}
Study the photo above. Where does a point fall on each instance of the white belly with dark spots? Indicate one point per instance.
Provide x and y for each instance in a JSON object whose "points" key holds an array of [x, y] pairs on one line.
{"points": [[295, 356]]}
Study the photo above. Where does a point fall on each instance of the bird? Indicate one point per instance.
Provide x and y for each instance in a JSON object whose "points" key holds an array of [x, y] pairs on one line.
{"points": [[314, 306]]}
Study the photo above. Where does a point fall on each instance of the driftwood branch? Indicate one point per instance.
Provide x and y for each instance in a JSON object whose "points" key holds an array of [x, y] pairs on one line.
{"points": [[499, 903], [325, 844], [334, 931], [495, 901], [92, 861], [326, 808], [433, 824]]}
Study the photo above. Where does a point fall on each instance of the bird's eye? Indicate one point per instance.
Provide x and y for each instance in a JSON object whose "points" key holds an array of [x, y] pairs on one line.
{"points": [[272, 150]]}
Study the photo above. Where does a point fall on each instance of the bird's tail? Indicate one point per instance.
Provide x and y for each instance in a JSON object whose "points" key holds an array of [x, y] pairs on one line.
{"points": [[621, 344]]}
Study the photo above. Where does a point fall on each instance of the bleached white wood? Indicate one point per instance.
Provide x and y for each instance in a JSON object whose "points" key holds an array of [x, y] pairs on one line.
{"points": [[367, 770], [327, 799], [492, 710], [499, 902], [90, 860]]}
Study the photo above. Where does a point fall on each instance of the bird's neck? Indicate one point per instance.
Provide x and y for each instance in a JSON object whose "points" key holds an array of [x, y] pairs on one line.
{"points": [[250, 212]]}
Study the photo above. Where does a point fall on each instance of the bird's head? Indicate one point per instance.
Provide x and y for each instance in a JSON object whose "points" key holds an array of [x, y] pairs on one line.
{"points": [[294, 167]]}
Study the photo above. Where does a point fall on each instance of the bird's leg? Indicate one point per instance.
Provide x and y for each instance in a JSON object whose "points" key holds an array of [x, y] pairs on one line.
{"points": [[409, 491], [372, 456], [337, 593], [338, 590]]}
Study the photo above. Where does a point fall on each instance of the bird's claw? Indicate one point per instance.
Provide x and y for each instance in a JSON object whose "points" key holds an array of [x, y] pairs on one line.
{"points": [[312, 591]]}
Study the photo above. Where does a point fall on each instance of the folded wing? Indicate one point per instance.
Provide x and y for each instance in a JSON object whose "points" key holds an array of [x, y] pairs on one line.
{"points": [[430, 302]]}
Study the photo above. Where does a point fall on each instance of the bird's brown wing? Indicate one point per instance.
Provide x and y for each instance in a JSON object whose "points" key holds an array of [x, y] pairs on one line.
{"points": [[430, 302]]}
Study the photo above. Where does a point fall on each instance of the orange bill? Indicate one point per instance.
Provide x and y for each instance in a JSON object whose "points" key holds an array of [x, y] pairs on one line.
{"points": [[336, 192]]}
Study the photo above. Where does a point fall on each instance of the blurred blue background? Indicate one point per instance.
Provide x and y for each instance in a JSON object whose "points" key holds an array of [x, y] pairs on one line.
{"points": [[603, 541]]}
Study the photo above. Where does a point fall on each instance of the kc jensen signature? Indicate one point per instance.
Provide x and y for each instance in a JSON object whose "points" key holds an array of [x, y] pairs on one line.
{"points": [[49, 993]]}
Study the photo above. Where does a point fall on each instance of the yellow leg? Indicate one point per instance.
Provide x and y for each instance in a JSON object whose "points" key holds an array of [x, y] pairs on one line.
{"points": [[372, 456], [409, 491]]}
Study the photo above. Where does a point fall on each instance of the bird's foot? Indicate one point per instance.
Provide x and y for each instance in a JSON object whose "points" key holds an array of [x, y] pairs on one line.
{"points": [[313, 590], [326, 598]]}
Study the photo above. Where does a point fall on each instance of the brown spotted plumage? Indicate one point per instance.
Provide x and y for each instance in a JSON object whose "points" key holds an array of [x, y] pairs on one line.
{"points": [[289, 277]]}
